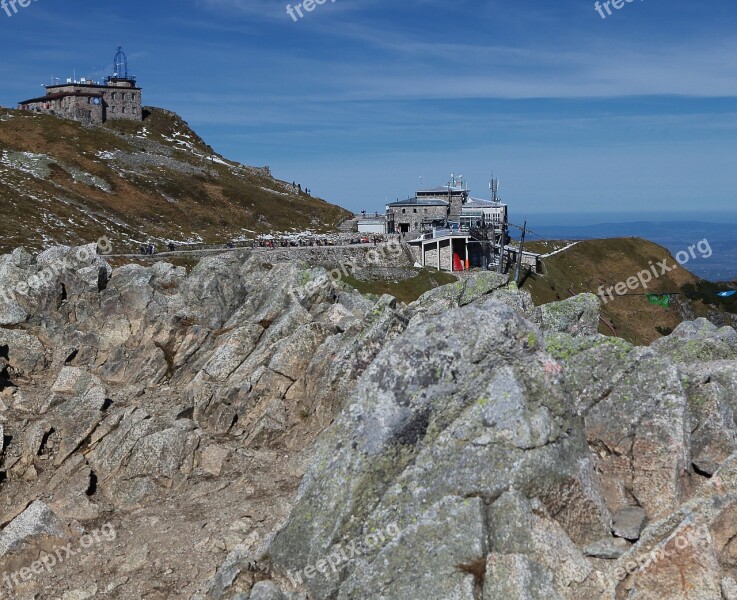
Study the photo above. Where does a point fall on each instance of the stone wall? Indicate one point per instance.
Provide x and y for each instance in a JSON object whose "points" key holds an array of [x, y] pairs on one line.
{"points": [[431, 258], [415, 215], [78, 108], [122, 102], [382, 255]]}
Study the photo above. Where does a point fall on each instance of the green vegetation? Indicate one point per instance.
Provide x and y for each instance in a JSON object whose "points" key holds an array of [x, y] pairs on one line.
{"points": [[405, 291]]}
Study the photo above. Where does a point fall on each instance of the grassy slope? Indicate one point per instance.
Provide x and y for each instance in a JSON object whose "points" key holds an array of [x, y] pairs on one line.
{"points": [[593, 263], [407, 290], [158, 188]]}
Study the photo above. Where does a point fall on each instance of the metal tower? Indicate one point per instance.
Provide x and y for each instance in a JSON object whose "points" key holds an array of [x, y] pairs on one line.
{"points": [[120, 64]]}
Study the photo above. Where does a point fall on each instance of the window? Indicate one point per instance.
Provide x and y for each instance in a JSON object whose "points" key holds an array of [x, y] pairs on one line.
{"points": [[415, 211], [403, 211], [122, 110], [112, 96]]}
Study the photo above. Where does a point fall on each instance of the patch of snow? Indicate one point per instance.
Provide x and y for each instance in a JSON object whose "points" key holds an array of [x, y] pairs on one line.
{"points": [[275, 192], [559, 250]]}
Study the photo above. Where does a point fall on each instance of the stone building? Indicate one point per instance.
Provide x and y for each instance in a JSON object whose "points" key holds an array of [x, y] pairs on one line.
{"points": [[415, 215], [93, 102], [442, 207]]}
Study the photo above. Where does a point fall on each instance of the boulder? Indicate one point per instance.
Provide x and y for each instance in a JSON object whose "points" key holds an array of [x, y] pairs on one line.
{"points": [[636, 419], [698, 340], [518, 526], [466, 291], [482, 414], [266, 590], [36, 529], [25, 353], [517, 576], [629, 522], [213, 460], [711, 389], [607, 548], [578, 316]]}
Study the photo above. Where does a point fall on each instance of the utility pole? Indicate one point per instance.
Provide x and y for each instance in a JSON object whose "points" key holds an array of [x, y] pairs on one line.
{"points": [[519, 257], [502, 243], [485, 247]]}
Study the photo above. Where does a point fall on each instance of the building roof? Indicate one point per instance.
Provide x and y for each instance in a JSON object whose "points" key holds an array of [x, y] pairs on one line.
{"points": [[60, 95], [479, 203], [443, 189], [418, 202], [95, 85]]}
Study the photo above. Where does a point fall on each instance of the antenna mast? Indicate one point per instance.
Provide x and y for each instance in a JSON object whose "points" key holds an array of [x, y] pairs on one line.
{"points": [[494, 187]]}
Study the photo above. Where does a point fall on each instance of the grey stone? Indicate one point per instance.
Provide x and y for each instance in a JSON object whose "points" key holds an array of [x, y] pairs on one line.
{"points": [[517, 526], [266, 590], [577, 316], [38, 521], [466, 291], [698, 340], [516, 576], [711, 389], [608, 548], [458, 523], [729, 588], [637, 418], [629, 522], [395, 449], [26, 354]]}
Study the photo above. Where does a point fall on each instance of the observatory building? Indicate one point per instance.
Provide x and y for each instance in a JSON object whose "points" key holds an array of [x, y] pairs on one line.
{"points": [[90, 101], [442, 206]]}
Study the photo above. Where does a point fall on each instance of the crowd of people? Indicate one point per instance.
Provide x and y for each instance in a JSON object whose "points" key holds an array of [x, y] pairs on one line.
{"points": [[271, 242]]}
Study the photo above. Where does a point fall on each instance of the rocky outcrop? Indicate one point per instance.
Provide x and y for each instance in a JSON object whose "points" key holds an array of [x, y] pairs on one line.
{"points": [[558, 457], [449, 417], [253, 430]]}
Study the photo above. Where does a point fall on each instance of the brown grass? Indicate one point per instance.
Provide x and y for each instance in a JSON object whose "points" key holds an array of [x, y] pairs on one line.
{"points": [[593, 263], [477, 568], [159, 203]]}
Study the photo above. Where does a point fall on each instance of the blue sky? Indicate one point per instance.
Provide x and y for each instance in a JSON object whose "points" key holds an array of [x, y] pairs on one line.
{"points": [[574, 113]]}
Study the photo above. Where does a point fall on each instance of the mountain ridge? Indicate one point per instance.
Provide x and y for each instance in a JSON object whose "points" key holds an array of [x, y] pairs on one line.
{"points": [[65, 183]]}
